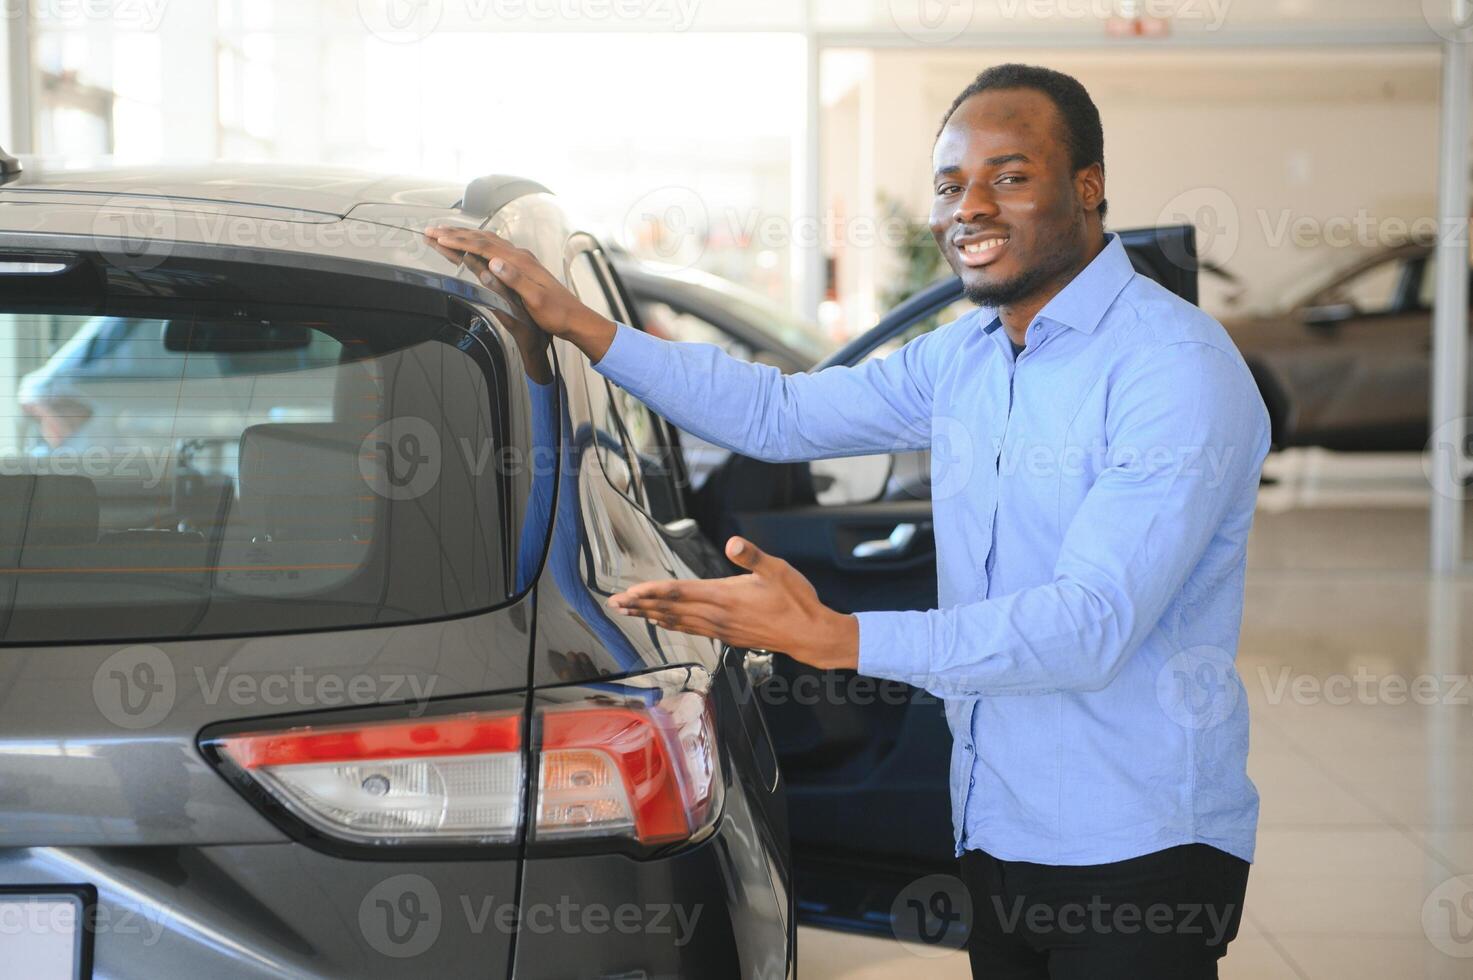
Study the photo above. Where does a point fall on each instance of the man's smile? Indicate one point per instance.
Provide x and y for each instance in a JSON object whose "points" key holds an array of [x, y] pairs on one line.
{"points": [[979, 250]]}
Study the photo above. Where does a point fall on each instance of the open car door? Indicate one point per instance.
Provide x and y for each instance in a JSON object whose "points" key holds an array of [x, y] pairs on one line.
{"points": [[865, 761]]}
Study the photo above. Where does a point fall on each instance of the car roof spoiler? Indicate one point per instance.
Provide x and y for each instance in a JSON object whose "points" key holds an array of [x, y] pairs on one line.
{"points": [[484, 196]]}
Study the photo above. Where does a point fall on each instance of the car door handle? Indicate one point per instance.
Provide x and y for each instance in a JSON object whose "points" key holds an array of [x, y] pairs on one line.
{"points": [[896, 545]]}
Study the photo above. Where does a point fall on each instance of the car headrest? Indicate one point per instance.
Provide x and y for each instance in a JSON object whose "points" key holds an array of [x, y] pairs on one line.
{"points": [[38, 511], [301, 480]]}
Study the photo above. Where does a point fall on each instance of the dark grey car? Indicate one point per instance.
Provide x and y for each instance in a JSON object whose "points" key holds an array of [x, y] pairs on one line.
{"points": [[303, 552]]}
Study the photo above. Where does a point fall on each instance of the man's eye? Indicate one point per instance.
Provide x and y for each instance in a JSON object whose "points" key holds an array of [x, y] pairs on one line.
{"points": [[945, 189], [1011, 179]]}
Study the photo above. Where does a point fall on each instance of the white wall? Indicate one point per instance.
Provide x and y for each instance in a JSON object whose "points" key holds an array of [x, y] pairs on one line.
{"points": [[1340, 146]]}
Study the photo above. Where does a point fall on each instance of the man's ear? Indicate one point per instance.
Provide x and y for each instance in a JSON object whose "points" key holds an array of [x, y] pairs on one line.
{"points": [[1089, 184]]}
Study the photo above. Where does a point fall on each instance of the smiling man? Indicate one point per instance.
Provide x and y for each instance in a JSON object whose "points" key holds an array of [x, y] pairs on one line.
{"points": [[1104, 441]]}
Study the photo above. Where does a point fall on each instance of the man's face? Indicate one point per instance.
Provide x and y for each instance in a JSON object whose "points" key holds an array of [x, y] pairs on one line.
{"points": [[1008, 211]]}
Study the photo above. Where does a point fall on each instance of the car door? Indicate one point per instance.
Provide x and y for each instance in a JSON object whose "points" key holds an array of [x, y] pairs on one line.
{"points": [[866, 761], [1358, 366]]}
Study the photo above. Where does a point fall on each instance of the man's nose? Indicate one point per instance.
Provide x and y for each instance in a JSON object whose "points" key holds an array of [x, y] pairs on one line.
{"points": [[976, 203]]}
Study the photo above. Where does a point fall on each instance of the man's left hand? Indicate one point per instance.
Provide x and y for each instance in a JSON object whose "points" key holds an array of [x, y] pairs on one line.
{"points": [[773, 608]]}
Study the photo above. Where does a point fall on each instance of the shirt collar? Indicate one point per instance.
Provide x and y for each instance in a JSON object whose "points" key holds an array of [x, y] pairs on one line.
{"points": [[1082, 303]]}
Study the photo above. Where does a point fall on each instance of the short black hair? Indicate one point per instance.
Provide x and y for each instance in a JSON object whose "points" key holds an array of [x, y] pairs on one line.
{"points": [[1083, 133]]}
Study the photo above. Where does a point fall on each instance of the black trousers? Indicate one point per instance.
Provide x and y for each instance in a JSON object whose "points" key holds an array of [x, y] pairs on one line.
{"points": [[1162, 916]]}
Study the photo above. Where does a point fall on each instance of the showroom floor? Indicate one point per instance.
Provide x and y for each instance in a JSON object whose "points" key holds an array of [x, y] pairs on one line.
{"points": [[1367, 794]]}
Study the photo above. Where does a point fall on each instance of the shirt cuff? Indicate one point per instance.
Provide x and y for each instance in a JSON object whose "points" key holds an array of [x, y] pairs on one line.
{"points": [[633, 358], [882, 650]]}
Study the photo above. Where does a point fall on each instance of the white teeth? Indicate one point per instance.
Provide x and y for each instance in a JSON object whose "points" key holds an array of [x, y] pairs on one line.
{"points": [[977, 247]]}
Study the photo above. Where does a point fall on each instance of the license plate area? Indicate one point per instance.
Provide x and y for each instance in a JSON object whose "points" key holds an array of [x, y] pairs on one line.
{"points": [[45, 931]]}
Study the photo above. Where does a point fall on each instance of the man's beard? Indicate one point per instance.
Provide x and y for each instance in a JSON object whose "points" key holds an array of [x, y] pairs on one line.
{"points": [[1027, 282]]}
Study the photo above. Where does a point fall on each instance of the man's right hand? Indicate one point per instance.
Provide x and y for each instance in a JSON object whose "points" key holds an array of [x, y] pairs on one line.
{"points": [[551, 304]]}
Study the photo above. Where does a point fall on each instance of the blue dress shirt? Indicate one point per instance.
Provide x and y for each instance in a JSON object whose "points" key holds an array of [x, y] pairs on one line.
{"points": [[1092, 502]]}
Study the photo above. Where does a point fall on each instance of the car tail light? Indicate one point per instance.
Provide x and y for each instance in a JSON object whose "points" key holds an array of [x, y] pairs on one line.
{"points": [[646, 772], [455, 777], [634, 760]]}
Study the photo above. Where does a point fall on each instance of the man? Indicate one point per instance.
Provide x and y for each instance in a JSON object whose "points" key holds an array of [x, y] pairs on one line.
{"points": [[1093, 496]]}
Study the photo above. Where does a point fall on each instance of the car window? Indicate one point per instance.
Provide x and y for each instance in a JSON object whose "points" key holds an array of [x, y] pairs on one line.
{"points": [[630, 438], [1372, 290], [668, 323], [228, 486], [860, 479]]}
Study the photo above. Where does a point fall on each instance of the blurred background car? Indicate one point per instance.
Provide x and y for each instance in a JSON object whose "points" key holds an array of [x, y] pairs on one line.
{"points": [[694, 306], [1347, 365]]}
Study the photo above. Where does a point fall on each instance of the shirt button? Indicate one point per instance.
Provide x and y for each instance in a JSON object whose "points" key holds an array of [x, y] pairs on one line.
{"points": [[971, 782]]}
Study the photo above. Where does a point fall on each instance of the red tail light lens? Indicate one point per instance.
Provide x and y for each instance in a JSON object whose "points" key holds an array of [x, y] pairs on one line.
{"points": [[648, 772], [457, 777], [636, 760]]}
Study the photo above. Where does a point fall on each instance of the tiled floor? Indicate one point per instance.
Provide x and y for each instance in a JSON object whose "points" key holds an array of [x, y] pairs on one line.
{"points": [[1367, 817]]}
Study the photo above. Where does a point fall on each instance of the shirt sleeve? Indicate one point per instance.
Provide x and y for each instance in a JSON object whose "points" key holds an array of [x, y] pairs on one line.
{"points": [[1187, 435], [880, 406]]}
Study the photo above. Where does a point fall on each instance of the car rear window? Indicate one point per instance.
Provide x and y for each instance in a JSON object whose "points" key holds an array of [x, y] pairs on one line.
{"points": [[168, 477]]}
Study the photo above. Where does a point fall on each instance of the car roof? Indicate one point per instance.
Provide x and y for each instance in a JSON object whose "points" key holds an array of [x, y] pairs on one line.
{"points": [[335, 211], [326, 190]]}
